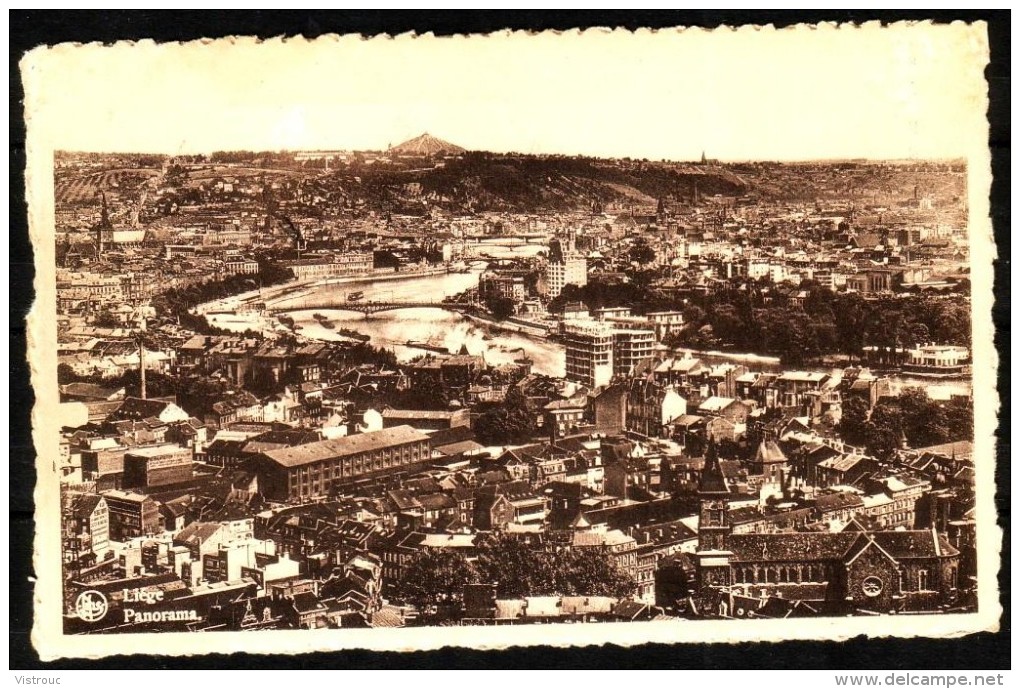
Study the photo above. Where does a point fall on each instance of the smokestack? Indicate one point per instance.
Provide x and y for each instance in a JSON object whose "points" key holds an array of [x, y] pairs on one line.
{"points": [[141, 365]]}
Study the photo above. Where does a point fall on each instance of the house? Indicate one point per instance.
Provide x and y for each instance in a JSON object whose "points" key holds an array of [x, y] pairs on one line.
{"points": [[516, 502], [861, 383], [131, 514], [174, 513], [633, 469], [612, 542], [651, 407], [314, 469], [610, 408], [90, 392], [681, 372], [234, 407], [425, 420], [563, 417], [792, 386], [769, 461], [905, 491], [839, 506], [844, 469], [159, 465], [202, 538], [87, 524], [137, 409], [732, 410]]}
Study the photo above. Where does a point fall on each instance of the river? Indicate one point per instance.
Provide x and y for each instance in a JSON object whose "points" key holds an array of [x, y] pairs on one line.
{"points": [[438, 328], [449, 330]]}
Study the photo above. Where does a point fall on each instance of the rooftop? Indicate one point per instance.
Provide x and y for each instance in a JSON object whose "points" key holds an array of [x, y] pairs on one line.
{"points": [[348, 445]]}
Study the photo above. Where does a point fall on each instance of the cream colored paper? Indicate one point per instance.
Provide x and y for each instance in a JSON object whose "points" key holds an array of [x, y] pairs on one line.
{"points": [[748, 93]]}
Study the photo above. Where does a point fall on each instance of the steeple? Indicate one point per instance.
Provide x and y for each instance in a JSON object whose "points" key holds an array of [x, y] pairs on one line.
{"points": [[714, 496], [104, 220], [713, 483], [104, 225], [712, 556]]}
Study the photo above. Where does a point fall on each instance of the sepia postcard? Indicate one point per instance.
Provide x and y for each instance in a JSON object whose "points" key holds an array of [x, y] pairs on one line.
{"points": [[561, 338]]}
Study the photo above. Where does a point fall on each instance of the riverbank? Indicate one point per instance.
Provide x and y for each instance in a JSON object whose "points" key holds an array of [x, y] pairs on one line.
{"points": [[509, 325], [383, 275]]}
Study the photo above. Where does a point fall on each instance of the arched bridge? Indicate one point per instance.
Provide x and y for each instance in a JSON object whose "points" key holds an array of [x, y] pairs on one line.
{"points": [[370, 307]]}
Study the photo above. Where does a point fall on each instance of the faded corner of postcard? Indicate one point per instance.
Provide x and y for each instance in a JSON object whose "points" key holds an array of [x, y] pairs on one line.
{"points": [[400, 344]]}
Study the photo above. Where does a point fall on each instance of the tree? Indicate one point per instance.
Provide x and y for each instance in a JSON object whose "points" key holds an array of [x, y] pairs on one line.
{"points": [[593, 572], [641, 252], [435, 577], [197, 394], [924, 421], [884, 430], [520, 570], [66, 374], [954, 324], [510, 422], [852, 423], [429, 394], [726, 324], [959, 415], [501, 308], [517, 569]]}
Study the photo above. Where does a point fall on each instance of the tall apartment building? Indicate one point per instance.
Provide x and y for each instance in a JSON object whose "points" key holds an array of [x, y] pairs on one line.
{"points": [[565, 267], [631, 347], [573, 270], [589, 351]]}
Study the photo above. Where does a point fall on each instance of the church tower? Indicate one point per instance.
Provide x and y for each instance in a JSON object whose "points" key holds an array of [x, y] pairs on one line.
{"points": [[714, 496], [714, 528], [103, 233]]}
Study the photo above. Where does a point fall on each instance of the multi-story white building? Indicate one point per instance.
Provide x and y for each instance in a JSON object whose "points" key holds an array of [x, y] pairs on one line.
{"points": [[572, 270], [938, 358], [665, 322], [630, 348], [589, 352], [239, 265]]}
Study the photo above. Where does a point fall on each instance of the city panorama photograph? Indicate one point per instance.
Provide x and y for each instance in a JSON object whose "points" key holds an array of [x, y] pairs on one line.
{"points": [[446, 372]]}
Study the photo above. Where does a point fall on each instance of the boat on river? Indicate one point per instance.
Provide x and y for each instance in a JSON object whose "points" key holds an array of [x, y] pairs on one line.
{"points": [[428, 346]]}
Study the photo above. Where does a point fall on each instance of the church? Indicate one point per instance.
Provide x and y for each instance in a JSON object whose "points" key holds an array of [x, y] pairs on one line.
{"points": [[854, 571]]}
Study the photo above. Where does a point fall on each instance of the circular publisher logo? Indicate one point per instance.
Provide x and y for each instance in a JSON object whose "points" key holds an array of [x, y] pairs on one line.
{"points": [[91, 606]]}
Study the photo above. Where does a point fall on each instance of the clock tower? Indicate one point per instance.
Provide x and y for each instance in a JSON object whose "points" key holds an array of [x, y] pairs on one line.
{"points": [[712, 555]]}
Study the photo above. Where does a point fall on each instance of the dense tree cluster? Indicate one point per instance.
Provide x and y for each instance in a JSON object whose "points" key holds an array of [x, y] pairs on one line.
{"points": [[759, 317], [641, 252], [499, 307], [178, 302], [428, 394], [910, 416], [508, 423], [635, 294], [519, 569], [768, 321], [437, 577]]}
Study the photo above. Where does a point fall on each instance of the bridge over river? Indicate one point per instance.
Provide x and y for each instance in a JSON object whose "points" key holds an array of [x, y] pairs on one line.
{"points": [[338, 303]]}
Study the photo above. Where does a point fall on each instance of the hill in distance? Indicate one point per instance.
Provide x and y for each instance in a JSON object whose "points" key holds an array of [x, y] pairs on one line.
{"points": [[426, 145]]}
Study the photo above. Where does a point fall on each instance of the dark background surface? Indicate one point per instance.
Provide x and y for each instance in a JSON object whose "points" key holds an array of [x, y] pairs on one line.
{"points": [[29, 28]]}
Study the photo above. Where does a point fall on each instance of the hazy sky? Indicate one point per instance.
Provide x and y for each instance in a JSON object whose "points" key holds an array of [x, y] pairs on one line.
{"points": [[736, 94]]}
